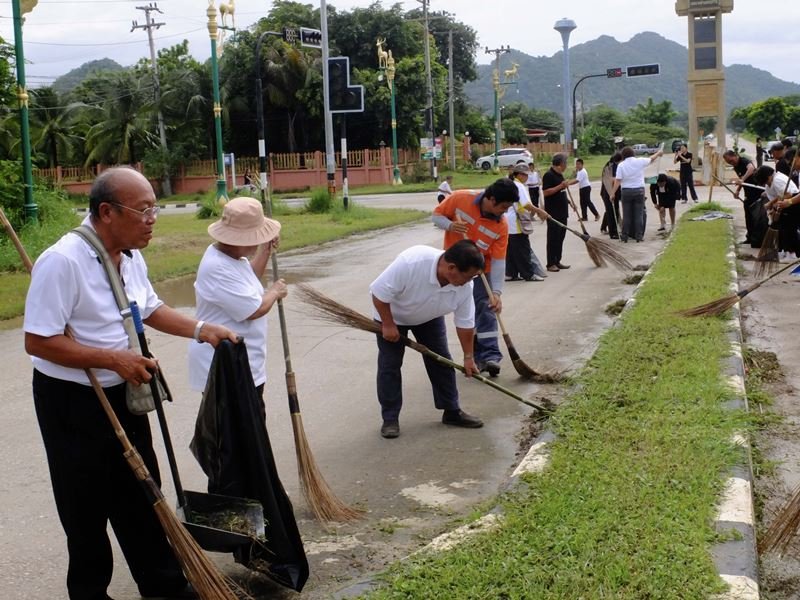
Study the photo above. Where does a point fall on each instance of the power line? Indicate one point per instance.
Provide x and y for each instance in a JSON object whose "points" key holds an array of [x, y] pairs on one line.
{"points": [[163, 37]]}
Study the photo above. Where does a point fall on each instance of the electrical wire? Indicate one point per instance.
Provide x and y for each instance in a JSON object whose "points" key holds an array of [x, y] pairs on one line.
{"points": [[115, 43]]}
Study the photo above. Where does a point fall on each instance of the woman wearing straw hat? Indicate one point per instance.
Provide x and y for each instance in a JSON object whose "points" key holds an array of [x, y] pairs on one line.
{"points": [[228, 287]]}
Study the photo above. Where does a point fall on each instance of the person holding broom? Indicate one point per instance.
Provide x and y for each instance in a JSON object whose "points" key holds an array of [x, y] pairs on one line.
{"points": [[745, 171], [782, 197], [557, 205], [479, 217], [413, 294], [228, 287], [92, 483], [521, 260]]}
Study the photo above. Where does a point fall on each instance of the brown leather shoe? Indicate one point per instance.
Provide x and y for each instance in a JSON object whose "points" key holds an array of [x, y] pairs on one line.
{"points": [[553, 269], [560, 266]]}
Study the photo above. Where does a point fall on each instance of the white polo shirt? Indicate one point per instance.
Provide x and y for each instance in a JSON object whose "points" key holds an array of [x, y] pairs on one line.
{"points": [[778, 185], [583, 178], [511, 214], [534, 180], [69, 285], [630, 172], [410, 286], [227, 291]]}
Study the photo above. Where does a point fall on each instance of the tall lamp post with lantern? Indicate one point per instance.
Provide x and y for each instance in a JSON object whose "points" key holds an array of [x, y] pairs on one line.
{"points": [[213, 32], [386, 64]]}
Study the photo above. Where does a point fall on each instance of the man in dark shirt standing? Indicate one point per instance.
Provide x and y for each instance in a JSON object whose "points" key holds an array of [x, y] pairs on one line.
{"points": [[556, 203], [745, 170], [684, 157]]}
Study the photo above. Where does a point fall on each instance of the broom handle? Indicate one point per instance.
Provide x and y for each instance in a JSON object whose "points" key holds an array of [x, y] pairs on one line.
{"points": [[723, 184], [421, 348], [490, 294], [758, 284], [129, 451], [575, 209], [162, 418], [291, 385]]}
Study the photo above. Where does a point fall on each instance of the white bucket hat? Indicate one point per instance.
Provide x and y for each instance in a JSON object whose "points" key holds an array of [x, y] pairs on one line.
{"points": [[243, 224]]}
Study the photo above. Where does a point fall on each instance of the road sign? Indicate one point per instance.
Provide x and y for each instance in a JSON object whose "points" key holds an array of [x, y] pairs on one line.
{"points": [[430, 148], [643, 70], [615, 72], [344, 98], [310, 38]]}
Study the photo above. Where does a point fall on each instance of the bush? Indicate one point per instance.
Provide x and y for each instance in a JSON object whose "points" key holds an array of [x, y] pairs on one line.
{"points": [[320, 202]]}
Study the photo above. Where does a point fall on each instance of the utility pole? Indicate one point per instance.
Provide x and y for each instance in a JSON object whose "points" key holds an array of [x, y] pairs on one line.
{"points": [[450, 94], [30, 208], [429, 88], [150, 25], [496, 85]]}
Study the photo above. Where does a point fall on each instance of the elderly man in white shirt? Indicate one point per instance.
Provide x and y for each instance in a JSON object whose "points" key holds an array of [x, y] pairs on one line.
{"points": [[413, 294], [630, 177]]}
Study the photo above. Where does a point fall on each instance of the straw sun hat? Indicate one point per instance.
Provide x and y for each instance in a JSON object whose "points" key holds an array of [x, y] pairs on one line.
{"points": [[243, 224]]}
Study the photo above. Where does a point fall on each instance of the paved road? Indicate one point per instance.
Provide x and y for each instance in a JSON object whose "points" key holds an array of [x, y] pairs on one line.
{"points": [[411, 487]]}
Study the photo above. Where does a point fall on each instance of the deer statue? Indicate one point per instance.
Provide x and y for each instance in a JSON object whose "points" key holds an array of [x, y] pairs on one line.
{"points": [[508, 73], [382, 54], [227, 9]]}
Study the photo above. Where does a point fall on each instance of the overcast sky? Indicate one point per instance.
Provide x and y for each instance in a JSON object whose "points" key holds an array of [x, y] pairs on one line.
{"points": [[63, 34]]}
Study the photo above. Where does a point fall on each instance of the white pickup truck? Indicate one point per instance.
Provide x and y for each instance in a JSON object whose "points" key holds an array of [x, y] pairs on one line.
{"points": [[644, 149]]}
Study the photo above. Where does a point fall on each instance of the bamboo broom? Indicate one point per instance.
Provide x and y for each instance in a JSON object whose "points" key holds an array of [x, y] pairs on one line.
{"points": [[204, 576], [328, 309], [717, 307], [600, 251], [321, 499], [783, 528]]}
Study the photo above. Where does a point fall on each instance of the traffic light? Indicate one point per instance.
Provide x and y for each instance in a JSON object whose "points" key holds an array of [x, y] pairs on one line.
{"points": [[641, 70], [311, 38], [289, 35], [615, 72], [343, 97]]}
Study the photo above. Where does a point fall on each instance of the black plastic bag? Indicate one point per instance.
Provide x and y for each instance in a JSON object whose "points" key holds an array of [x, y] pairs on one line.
{"points": [[232, 446]]}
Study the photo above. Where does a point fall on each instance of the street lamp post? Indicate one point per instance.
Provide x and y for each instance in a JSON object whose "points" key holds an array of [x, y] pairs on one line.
{"points": [[496, 85], [565, 27], [30, 210], [213, 30], [390, 70]]}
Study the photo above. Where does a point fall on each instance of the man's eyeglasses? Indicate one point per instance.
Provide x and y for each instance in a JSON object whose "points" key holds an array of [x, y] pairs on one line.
{"points": [[147, 213]]}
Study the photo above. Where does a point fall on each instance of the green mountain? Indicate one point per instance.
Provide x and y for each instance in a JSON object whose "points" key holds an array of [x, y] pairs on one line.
{"points": [[69, 81], [540, 76]]}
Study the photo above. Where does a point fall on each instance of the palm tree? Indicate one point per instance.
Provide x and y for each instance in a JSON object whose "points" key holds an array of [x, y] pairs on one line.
{"points": [[123, 130], [52, 125]]}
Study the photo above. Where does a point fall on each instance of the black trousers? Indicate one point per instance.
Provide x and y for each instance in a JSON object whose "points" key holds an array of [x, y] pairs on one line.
{"points": [[687, 181], [559, 210], [390, 361], [93, 486], [519, 262], [534, 194], [610, 217], [586, 202]]}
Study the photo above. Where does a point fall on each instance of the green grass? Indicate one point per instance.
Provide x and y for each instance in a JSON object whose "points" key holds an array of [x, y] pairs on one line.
{"points": [[626, 505], [180, 241]]}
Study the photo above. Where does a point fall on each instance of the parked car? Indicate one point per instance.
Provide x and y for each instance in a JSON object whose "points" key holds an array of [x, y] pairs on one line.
{"points": [[507, 157], [644, 149]]}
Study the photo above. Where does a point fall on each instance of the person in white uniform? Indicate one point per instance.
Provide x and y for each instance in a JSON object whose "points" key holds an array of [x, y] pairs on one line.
{"points": [[228, 287]]}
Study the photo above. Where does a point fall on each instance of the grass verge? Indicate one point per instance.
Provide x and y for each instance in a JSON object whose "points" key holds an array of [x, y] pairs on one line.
{"points": [[180, 241], [626, 506]]}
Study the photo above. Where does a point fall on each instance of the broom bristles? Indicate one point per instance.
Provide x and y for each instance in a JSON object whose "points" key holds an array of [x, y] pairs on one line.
{"points": [[711, 309], [325, 505], [783, 528], [607, 253], [767, 258], [198, 568]]}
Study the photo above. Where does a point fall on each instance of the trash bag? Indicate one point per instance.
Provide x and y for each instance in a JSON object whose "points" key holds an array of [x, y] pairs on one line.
{"points": [[232, 445]]}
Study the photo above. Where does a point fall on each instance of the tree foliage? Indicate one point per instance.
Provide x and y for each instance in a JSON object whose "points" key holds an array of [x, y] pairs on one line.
{"points": [[655, 113]]}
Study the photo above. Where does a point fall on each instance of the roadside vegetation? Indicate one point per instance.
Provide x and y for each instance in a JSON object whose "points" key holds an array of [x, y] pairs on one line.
{"points": [[181, 239], [625, 508]]}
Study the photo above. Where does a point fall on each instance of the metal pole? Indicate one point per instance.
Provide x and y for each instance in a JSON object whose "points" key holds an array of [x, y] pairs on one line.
{"points": [[222, 191], [30, 209], [330, 158], [345, 190], [262, 145], [450, 101], [565, 27], [429, 88]]}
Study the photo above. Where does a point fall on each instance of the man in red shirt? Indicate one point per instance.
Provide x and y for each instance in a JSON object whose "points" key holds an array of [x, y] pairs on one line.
{"points": [[480, 217]]}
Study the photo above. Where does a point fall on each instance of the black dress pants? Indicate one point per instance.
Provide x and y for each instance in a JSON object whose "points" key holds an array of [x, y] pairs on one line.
{"points": [[559, 210], [93, 485], [586, 202]]}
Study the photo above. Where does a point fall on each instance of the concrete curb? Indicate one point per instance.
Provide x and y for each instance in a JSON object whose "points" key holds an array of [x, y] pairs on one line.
{"points": [[737, 559]]}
